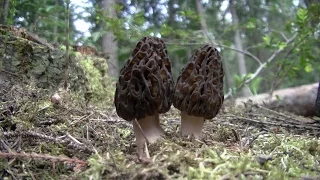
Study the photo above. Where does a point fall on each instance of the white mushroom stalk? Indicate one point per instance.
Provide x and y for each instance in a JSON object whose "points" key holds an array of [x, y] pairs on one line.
{"points": [[191, 125], [147, 130]]}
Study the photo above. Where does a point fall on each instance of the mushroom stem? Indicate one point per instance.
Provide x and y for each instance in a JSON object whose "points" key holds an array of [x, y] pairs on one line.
{"points": [[147, 130], [191, 125]]}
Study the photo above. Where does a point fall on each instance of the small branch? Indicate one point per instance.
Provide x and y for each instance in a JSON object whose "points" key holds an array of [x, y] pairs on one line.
{"points": [[83, 118], [261, 67], [281, 33], [254, 138], [44, 157], [73, 139], [270, 59], [4, 144], [11, 73], [245, 52], [67, 45], [278, 81], [31, 174], [138, 125], [29, 134], [274, 112]]}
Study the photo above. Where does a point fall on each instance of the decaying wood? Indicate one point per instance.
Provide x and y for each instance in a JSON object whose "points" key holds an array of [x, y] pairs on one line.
{"points": [[299, 100], [89, 50], [23, 33], [30, 59]]}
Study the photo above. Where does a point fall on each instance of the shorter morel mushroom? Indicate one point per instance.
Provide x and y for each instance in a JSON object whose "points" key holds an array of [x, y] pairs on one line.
{"points": [[144, 90], [199, 90]]}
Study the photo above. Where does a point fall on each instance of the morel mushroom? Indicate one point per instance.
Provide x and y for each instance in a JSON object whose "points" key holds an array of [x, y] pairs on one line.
{"points": [[145, 89], [318, 102], [199, 90]]}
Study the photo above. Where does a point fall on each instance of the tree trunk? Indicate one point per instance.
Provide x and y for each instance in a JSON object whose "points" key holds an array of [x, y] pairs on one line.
{"points": [[299, 100], [55, 26], [171, 12], [318, 102], [203, 21], [4, 11], [227, 75], [109, 44], [237, 39]]}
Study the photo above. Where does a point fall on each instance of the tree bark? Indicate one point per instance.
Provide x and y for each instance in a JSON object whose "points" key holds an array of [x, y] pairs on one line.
{"points": [[203, 21], [4, 11], [55, 27], [109, 44], [171, 12], [237, 39], [299, 100], [318, 102]]}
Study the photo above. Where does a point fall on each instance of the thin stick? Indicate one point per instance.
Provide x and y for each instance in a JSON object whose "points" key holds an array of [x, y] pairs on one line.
{"points": [[138, 125], [43, 156], [67, 46], [72, 138]]}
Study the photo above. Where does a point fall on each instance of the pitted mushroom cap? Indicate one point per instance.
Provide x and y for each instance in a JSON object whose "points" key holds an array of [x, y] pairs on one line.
{"points": [[145, 85], [199, 88]]}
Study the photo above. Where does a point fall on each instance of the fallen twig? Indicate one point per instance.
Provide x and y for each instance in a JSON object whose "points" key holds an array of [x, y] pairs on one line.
{"points": [[29, 134], [43, 156]]}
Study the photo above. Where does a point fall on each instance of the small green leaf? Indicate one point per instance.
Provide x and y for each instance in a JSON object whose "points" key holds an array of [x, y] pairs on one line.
{"points": [[302, 14], [250, 25], [266, 40], [96, 35], [255, 84], [118, 8], [282, 45], [308, 68], [278, 98]]}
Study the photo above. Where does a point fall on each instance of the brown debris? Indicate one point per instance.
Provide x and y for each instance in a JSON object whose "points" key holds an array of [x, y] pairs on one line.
{"points": [[89, 50]]}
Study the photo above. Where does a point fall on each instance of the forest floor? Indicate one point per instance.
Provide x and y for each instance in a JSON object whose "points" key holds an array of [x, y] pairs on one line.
{"points": [[40, 140]]}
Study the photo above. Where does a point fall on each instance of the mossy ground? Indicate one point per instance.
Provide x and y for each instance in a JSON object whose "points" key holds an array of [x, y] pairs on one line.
{"points": [[249, 143]]}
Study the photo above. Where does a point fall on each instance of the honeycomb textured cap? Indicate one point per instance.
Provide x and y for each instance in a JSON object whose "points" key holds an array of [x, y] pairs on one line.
{"points": [[145, 85], [199, 88]]}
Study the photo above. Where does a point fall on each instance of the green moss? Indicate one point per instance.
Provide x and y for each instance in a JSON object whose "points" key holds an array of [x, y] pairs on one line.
{"points": [[102, 87]]}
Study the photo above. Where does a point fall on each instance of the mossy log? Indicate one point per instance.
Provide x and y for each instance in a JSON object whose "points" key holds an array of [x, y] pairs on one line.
{"points": [[27, 58], [299, 100]]}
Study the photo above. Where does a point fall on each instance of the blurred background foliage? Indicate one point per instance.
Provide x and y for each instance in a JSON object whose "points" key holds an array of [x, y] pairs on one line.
{"points": [[247, 33]]}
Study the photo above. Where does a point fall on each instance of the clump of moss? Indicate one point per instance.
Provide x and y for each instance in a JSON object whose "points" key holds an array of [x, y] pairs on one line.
{"points": [[102, 87], [289, 158]]}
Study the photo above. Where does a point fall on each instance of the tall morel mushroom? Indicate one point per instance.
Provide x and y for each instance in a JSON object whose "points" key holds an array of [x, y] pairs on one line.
{"points": [[199, 90], [145, 89]]}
